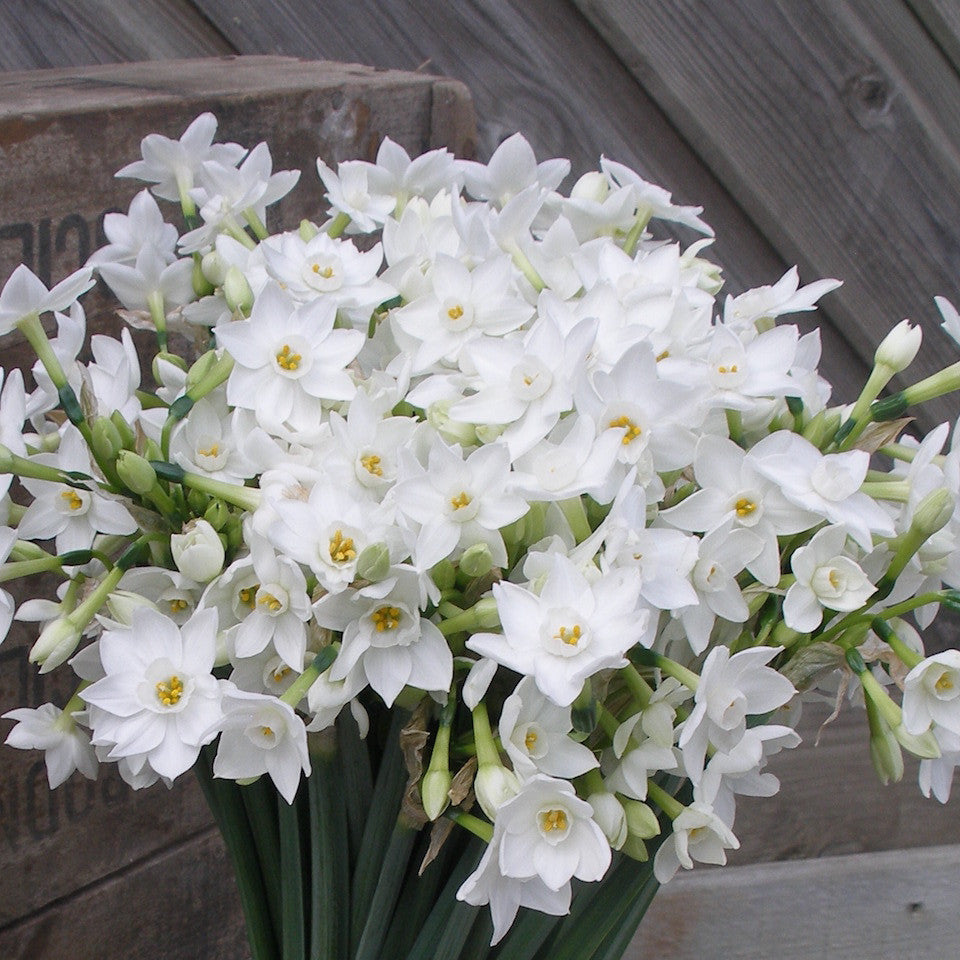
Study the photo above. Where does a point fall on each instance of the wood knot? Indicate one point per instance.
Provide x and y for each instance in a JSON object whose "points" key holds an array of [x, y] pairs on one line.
{"points": [[868, 96]]}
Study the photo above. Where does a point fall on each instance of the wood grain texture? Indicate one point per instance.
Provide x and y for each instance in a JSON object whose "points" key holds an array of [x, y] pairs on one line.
{"points": [[834, 146], [942, 20], [51, 33], [181, 905], [878, 906]]}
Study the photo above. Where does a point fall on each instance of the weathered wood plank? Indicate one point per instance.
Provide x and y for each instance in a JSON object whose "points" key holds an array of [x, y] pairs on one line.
{"points": [[942, 20], [877, 906], [182, 905], [535, 66], [51, 33], [830, 143]]}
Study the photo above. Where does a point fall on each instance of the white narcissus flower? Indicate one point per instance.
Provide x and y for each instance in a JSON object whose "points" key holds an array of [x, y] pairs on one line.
{"points": [[198, 551], [66, 746], [931, 694], [936, 776], [261, 734], [25, 295], [535, 733], [826, 579], [571, 631], [698, 834], [550, 833], [158, 702]]}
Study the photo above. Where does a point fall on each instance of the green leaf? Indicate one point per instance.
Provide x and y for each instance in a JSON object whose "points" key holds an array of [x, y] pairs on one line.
{"points": [[292, 938], [260, 804], [353, 769]]}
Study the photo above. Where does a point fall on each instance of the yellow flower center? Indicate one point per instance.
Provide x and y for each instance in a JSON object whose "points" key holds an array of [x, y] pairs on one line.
{"points": [[269, 601], [73, 500], [744, 507], [455, 313], [170, 691], [371, 463], [462, 499], [212, 451], [663, 355], [288, 360], [325, 272], [530, 740], [632, 430], [386, 618], [248, 595], [278, 675], [341, 548], [944, 683], [267, 731], [570, 635], [177, 605], [724, 369], [554, 820]]}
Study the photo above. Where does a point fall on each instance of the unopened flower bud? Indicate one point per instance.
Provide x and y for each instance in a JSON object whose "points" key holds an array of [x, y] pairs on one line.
{"points": [[198, 551], [127, 437], [485, 610], [307, 230], [444, 575], [237, 292], [478, 681], [135, 472], [592, 186], [214, 268], [453, 431], [217, 514], [200, 368], [373, 564], [494, 785], [489, 432], [885, 754], [477, 560], [635, 848], [122, 603], [56, 643], [105, 439], [171, 359], [198, 502], [434, 792], [642, 822], [609, 815], [899, 347], [933, 512]]}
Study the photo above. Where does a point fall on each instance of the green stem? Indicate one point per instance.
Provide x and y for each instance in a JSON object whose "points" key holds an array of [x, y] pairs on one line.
{"points": [[338, 224], [479, 828], [669, 805], [27, 568], [641, 690], [158, 314], [892, 639], [576, 515], [671, 668], [256, 224]]}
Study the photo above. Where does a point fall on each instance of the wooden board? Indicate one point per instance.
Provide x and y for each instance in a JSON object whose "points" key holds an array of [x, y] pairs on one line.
{"points": [[942, 20], [54, 33], [826, 133], [878, 906], [536, 66]]}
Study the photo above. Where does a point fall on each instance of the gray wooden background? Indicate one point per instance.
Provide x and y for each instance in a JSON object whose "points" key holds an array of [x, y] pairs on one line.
{"points": [[819, 132]]}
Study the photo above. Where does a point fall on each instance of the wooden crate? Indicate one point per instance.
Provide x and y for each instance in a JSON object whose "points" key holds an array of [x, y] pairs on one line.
{"points": [[63, 133]]}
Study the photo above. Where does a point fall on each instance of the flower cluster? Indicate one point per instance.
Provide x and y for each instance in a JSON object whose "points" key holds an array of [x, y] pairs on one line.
{"points": [[475, 443]]}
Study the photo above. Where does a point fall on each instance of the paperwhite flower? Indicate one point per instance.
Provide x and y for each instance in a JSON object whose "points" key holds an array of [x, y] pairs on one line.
{"points": [[260, 734], [698, 834], [158, 699], [142, 226], [535, 733], [572, 630], [931, 694], [936, 776], [66, 746], [25, 295], [512, 168], [825, 579]]}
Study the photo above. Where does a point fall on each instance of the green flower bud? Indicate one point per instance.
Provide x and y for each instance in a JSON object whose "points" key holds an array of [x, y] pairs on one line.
{"points": [[106, 439], [635, 848], [453, 431], [592, 186], [434, 792], [307, 231], [151, 450], [198, 502], [489, 433], [214, 268], [237, 292], [56, 643], [122, 603], [642, 822], [933, 512], [135, 472], [487, 615], [477, 560], [609, 815], [373, 564], [234, 533], [217, 514], [885, 753], [202, 287], [444, 575], [200, 369], [898, 348], [165, 357], [127, 437]]}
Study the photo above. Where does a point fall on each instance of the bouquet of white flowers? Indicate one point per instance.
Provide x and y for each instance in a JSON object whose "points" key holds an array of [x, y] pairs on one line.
{"points": [[484, 464]]}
